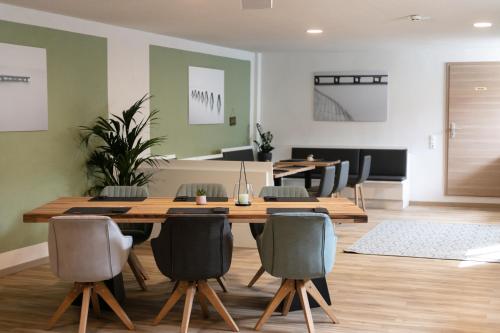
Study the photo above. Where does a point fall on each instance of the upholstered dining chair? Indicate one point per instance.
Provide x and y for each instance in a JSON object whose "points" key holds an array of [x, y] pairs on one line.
{"points": [[279, 192], [341, 177], [140, 232], [297, 247], [87, 250], [191, 249], [326, 183], [357, 182], [213, 190]]}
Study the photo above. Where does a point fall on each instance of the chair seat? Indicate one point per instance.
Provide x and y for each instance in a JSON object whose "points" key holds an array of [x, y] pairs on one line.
{"points": [[138, 236]]}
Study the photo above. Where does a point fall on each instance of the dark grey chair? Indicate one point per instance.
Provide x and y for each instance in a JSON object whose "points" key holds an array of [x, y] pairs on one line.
{"points": [[140, 232], [191, 249], [326, 183], [341, 177], [279, 192], [357, 183]]}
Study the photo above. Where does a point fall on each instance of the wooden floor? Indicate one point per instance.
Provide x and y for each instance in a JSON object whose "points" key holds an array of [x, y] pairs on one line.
{"points": [[370, 293]]}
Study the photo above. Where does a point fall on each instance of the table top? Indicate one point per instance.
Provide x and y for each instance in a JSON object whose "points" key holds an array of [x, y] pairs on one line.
{"points": [[154, 209], [316, 163], [284, 171]]}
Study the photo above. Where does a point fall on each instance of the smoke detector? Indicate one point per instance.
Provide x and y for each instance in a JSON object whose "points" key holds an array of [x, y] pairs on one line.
{"points": [[418, 18], [256, 4]]}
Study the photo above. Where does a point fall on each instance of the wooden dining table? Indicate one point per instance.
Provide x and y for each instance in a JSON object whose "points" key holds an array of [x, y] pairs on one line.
{"points": [[155, 209], [295, 166]]}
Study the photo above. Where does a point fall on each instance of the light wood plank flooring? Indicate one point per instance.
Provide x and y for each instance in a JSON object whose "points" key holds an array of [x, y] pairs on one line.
{"points": [[370, 293]]}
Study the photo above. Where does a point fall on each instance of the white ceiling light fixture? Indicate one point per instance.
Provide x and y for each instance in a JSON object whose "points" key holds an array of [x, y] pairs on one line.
{"points": [[256, 4], [482, 25], [314, 31]]}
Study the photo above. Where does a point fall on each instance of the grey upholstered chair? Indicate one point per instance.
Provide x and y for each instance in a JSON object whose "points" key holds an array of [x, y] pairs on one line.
{"points": [[297, 247], [87, 250], [213, 190], [341, 177], [326, 184], [191, 249], [140, 232], [279, 192], [357, 182]]}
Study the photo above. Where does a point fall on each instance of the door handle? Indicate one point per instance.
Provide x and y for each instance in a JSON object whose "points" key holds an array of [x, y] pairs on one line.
{"points": [[453, 130]]}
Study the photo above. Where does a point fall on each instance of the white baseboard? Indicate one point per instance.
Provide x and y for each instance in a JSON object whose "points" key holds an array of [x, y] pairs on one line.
{"points": [[23, 258]]}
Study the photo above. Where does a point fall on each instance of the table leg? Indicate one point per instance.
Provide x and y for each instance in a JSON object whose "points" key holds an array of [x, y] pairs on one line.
{"points": [[322, 287], [307, 179]]}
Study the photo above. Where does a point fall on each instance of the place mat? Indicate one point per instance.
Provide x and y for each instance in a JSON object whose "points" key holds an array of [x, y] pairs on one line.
{"points": [[209, 199], [191, 210], [297, 210], [290, 199], [104, 198], [97, 210]]}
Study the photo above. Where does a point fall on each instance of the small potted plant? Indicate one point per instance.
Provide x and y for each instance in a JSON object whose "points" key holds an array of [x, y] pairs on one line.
{"points": [[264, 146], [201, 197]]}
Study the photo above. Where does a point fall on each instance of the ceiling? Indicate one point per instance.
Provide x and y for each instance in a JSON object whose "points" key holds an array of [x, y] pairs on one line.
{"points": [[346, 23]]}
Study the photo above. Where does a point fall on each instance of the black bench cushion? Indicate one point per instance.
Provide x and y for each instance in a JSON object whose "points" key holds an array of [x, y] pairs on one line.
{"points": [[387, 164], [331, 154]]}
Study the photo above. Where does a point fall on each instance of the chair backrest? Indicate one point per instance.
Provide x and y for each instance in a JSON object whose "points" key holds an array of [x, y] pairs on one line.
{"points": [[245, 154], [298, 245], [327, 182], [125, 191], [213, 190], [194, 247], [284, 192], [364, 169], [341, 176], [86, 248]]}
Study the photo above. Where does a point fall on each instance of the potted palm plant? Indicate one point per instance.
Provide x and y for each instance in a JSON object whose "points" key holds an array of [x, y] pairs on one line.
{"points": [[264, 146], [201, 197], [118, 150]]}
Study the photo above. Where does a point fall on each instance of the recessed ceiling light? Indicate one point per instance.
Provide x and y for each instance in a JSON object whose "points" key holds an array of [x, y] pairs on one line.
{"points": [[314, 31], [482, 24]]}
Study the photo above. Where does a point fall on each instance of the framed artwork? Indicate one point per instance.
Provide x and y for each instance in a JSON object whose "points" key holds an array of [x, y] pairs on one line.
{"points": [[350, 96], [23, 88], [206, 96]]}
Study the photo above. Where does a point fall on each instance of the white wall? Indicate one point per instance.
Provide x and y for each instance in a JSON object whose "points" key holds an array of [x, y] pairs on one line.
{"points": [[128, 53], [417, 105]]}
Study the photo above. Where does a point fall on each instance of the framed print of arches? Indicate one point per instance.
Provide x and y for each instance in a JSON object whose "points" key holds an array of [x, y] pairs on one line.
{"points": [[206, 96]]}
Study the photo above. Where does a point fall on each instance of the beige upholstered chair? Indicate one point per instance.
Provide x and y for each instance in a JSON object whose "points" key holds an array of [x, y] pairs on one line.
{"points": [[87, 250]]}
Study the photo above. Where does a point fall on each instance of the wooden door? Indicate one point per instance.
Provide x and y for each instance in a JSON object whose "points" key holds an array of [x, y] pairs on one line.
{"points": [[474, 129]]}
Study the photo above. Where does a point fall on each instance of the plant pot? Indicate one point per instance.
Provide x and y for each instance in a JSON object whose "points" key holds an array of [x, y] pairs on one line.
{"points": [[264, 157], [201, 200]]}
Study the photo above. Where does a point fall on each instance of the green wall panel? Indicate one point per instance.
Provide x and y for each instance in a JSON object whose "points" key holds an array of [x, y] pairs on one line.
{"points": [[36, 167], [169, 86]]}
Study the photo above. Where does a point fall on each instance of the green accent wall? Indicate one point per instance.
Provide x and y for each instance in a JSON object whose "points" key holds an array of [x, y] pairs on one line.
{"points": [[169, 86], [36, 167]]}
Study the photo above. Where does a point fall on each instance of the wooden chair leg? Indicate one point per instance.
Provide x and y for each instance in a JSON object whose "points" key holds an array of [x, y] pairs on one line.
{"points": [[106, 295], [138, 264], [138, 276], [362, 195], [172, 300], [95, 303], [84, 312], [301, 290], [212, 297], [222, 284], [316, 295], [288, 303], [70, 297], [188, 306], [256, 276], [283, 291], [356, 199], [203, 304]]}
